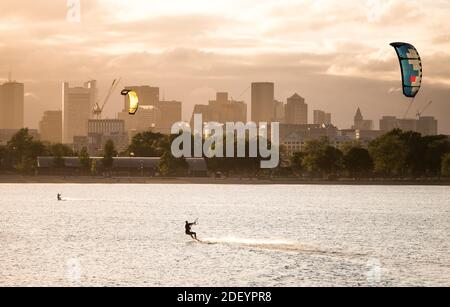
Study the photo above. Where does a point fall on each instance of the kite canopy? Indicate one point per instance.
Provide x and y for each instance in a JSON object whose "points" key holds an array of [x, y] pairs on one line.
{"points": [[133, 99], [411, 67]]}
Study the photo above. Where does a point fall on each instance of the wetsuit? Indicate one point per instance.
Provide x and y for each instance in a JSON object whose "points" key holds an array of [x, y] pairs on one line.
{"points": [[189, 232]]}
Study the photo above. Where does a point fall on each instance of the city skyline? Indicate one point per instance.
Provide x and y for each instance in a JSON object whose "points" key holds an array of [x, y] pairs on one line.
{"points": [[159, 115], [302, 46]]}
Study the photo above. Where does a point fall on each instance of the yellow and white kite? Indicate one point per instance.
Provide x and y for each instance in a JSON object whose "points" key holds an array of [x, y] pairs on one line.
{"points": [[133, 99]]}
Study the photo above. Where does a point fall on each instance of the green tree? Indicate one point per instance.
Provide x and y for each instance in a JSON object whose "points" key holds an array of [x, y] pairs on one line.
{"points": [[389, 154], [84, 159], [169, 165], [109, 152], [313, 154], [59, 151], [415, 151], [347, 146], [445, 169], [3, 156], [357, 161], [331, 162], [24, 151], [149, 144], [320, 157], [94, 167], [437, 147], [297, 164], [248, 165]]}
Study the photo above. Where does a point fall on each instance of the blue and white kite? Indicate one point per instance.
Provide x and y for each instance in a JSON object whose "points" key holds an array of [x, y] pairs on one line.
{"points": [[411, 66]]}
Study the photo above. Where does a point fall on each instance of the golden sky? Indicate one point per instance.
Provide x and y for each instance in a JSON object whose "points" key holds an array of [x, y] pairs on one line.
{"points": [[334, 53]]}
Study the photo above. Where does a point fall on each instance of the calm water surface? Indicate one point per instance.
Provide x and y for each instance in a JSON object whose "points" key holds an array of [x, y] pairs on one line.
{"points": [[108, 235]]}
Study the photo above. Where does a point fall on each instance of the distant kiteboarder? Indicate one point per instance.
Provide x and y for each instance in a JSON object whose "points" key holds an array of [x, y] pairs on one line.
{"points": [[189, 232], [59, 197]]}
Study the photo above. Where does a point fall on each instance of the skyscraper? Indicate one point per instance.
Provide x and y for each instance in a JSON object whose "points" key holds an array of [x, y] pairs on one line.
{"points": [[153, 114], [296, 110], [145, 119], [77, 106], [388, 123], [222, 110], [427, 126], [11, 105], [322, 118], [280, 111], [170, 113], [148, 95], [50, 127], [100, 131], [263, 97]]}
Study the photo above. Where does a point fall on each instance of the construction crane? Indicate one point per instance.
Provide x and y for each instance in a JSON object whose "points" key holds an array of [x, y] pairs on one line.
{"points": [[420, 112], [97, 109], [242, 94]]}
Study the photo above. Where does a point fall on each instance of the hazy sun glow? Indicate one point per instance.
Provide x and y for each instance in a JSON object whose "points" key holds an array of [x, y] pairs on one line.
{"points": [[321, 48]]}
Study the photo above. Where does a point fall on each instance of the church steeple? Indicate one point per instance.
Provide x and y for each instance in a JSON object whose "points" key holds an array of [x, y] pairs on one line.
{"points": [[358, 116]]}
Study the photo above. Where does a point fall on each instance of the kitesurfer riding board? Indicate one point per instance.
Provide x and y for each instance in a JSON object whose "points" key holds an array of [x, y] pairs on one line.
{"points": [[189, 232]]}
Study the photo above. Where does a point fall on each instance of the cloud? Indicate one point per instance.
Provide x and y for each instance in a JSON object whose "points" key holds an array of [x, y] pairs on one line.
{"points": [[321, 48], [31, 95], [393, 90], [394, 12]]}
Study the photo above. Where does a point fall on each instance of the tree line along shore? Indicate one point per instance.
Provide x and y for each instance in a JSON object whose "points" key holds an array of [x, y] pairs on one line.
{"points": [[397, 156]]}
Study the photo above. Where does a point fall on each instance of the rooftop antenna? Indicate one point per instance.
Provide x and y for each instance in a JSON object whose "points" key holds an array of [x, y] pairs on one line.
{"points": [[9, 76]]}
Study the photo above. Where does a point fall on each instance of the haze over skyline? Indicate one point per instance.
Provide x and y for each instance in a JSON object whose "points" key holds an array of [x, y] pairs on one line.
{"points": [[335, 54]]}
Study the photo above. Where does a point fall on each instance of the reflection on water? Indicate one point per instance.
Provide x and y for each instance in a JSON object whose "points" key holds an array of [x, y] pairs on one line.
{"points": [[106, 235]]}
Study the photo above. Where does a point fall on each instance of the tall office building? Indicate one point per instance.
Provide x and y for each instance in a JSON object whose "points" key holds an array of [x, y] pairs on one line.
{"points": [[101, 131], [407, 124], [263, 97], [388, 123], [322, 118], [148, 95], [170, 113], [296, 110], [295, 136], [12, 105], [360, 123], [222, 110], [77, 106], [145, 119], [153, 114], [280, 111], [105, 126], [425, 125], [50, 127]]}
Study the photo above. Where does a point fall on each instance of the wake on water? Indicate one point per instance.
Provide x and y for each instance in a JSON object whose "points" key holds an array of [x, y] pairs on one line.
{"points": [[69, 199], [263, 244], [281, 245], [276, 245]]}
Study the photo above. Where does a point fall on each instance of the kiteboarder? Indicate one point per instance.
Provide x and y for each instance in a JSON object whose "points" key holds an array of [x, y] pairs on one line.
{"points": [[59, 197], [189, 232]]}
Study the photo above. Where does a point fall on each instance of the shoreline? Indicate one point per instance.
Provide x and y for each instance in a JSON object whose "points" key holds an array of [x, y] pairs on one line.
{"points": [[18, 179]]}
